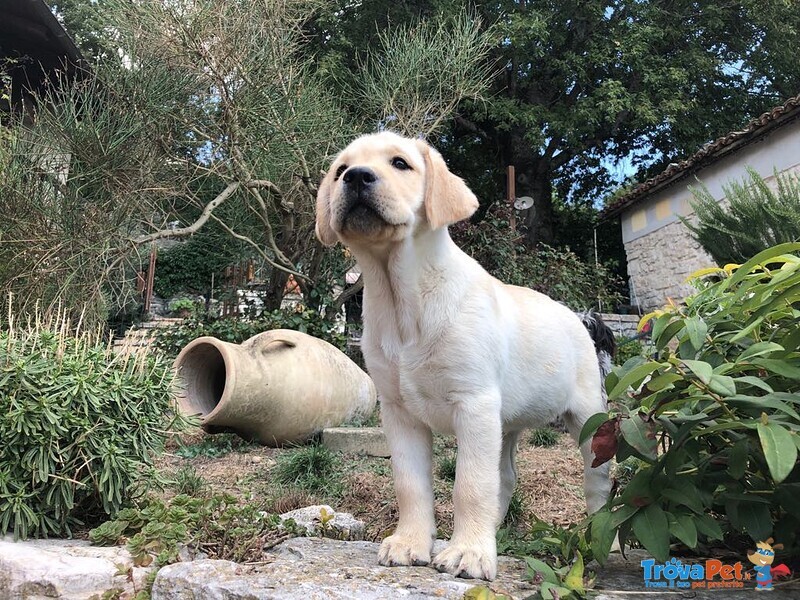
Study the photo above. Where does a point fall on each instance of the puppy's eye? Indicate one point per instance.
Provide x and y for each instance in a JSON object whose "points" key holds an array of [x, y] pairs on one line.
{"points": [[400, 164], [339, 171]]}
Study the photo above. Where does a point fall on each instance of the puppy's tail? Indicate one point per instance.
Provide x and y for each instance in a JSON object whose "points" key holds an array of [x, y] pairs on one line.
{"points": [[604, 343]]}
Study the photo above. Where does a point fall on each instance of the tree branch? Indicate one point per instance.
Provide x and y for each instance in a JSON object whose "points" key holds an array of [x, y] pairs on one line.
{"points": [[194, 227], [207, 212], [346, 295]]}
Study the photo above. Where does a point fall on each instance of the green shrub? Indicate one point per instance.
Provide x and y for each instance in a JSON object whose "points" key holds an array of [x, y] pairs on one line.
{"points": [[79, 427], [190, 266], [171, 340], [716, 421], [559, 273], [215, 524], [214, 446], [627, 349], [755, 217]]}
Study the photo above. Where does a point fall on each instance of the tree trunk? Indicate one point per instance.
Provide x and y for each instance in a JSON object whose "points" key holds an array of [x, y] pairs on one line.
{"points": [[539, 218], [275, 288], [533, 178]]}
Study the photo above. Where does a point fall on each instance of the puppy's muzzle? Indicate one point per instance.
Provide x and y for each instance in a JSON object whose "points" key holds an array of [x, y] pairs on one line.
{"points": [[361, 211]]}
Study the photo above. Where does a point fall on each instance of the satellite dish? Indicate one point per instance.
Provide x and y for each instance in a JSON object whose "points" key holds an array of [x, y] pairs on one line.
{"points": [[523, 203]]}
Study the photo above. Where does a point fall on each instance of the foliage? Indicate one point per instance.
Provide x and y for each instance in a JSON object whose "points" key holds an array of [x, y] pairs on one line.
{"points": [[180, 305], [214, 446], [80, 426], [627, 349], [558, 273], [564, 549], [188, 267], [313, 468], [226, 117], [583, 86], [544, 437], [715, 424], [446, 466], [215, 524], [754, 217], [188, 482], [171, 340]]}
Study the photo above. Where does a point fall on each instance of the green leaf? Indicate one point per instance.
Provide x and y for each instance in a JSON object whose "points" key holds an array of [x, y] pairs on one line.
{"points": [[662, 381], [722, 385], [751, 517], [683, 527], [781, 367], [708, 526], [633, 378], [542, 568], [651, 528], [737, 458], [669, 332], [779, 449], [702, 369], [687, 497], [697, 330], [762, 257], [640, 435], [759, 349], [755, 382], [602, 535], [548, 588]]}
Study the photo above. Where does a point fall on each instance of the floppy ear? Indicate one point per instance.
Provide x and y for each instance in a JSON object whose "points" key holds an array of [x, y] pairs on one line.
{"points": [[447, 198], [325, 232]]}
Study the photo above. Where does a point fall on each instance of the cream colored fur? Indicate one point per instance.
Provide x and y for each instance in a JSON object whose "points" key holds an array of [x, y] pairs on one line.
{"points": [[451, 349]]}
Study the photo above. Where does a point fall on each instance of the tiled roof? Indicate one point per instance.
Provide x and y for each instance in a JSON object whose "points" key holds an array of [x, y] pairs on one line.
{"points": [[711, 152]]}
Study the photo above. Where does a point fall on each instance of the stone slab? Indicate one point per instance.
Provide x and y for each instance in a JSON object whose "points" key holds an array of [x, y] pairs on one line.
{"points": [[324, 569], [66, 569], [356, 440]]}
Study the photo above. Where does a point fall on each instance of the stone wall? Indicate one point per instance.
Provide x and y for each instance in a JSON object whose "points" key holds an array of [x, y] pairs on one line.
{"points": [[660, 262], [621, 325]]}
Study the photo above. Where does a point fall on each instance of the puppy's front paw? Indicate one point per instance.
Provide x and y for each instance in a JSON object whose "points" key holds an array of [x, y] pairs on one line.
{"points": [[467, 561], [403, 550]]}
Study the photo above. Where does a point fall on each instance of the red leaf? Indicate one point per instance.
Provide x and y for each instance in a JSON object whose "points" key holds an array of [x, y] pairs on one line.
{"points": [[604, 442]]}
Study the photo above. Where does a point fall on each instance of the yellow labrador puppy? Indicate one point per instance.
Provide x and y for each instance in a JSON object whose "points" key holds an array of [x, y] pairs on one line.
{"points": [[451, 348]]}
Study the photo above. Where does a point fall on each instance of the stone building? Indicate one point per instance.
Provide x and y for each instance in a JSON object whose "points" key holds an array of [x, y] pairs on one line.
{"points": [[660, 250]]}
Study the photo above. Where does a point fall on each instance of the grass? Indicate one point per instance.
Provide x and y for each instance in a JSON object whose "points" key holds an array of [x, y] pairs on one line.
{"points": [[312, 468], [188, 482], [446, 467], [544, 437], [516, 509]]}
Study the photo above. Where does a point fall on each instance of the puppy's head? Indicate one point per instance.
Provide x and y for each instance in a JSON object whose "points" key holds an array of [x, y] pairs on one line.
{"points": [[383, 188]]}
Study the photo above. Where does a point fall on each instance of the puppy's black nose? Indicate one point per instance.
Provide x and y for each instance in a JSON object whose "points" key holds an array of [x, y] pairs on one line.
{"points": [[359, 177]]}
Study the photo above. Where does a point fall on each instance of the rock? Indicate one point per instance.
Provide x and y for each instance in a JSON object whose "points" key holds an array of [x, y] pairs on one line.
{"points": [[343, 526], [356, 440], [323, 569], [67, 569]]}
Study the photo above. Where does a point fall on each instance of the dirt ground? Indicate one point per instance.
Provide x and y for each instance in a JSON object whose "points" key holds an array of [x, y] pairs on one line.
{"points": [[549, 484]]}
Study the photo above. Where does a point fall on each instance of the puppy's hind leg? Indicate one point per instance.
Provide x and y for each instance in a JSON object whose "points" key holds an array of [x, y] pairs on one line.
{"points": [[596, 482], [508, 472]]}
